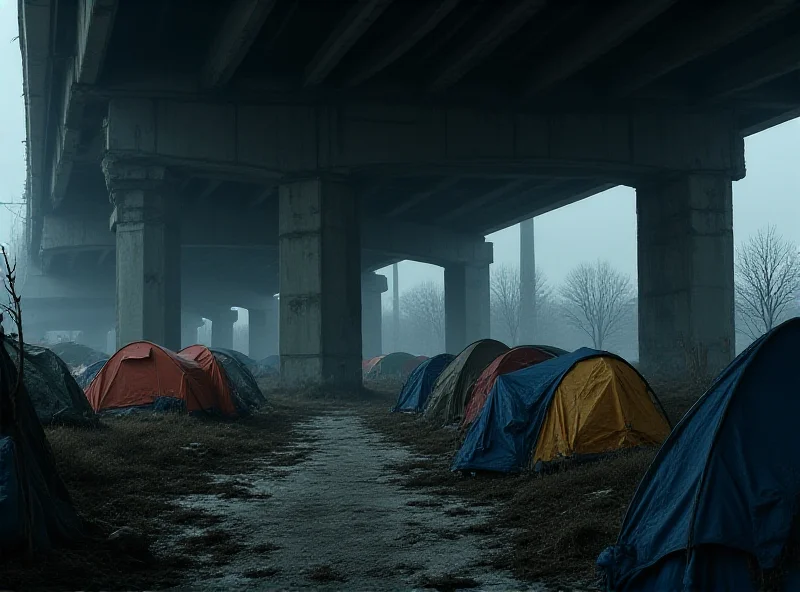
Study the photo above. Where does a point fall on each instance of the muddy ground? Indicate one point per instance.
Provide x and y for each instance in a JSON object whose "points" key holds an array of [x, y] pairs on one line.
{"points": [[315, 495]]}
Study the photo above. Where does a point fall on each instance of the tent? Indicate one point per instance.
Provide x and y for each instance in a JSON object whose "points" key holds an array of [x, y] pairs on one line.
{"points": [[56, 396], [417, 388], [144, 375], [721, 496], [397, 364], [201, 355], [29, 481], [236, 378], [584, 403], [511, 361], [85, 375], [77, 355], [367, 365], [450, 394], [257, 369]]}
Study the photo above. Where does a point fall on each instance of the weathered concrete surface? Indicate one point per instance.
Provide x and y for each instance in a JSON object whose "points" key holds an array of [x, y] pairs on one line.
{"points": [[145, 219], [320, 284], [340, 508], [686, 291], [466, 303], [372, 286], [527, 282]]}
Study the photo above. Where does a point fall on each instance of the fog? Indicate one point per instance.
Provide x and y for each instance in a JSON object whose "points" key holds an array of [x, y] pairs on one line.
{"points": [[602, 227]]}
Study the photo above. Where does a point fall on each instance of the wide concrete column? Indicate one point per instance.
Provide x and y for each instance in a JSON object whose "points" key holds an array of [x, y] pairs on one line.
{"points": [[372, 286], [263, 330], [222, 321], [320, 284], [466, 305], [190, 323], [527, 283], [145, 220], [686, 292]]}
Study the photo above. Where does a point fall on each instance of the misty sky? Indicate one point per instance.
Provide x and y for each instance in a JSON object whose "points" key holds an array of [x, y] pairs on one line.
{"points": [[603, 226]]}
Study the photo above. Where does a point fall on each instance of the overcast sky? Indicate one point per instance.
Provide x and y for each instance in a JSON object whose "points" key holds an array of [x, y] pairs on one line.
{"points": [[603, 226]]}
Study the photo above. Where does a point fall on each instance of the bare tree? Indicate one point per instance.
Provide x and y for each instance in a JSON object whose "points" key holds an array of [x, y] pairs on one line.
{"points": [[422, 308], [596, 300], [767, 281], [505, 288]]}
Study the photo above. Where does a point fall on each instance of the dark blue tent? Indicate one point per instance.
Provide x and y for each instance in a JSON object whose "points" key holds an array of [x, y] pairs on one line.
{"points": [[415, 392], [33, 499], [724, 488], [85, 376], [505, 434]]}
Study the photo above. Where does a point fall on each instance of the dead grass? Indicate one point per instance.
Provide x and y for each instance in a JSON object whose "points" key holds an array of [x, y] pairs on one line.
{"points": [[556, 524], [129, 472], [448, 583], [325, 573]]}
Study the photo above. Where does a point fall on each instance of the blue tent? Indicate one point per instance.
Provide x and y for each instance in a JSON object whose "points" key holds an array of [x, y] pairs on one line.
{"points": [[507, 431], [415, 392], [723, 490]]}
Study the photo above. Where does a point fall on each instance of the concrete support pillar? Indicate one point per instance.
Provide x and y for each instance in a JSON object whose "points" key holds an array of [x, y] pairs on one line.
{"points": [[320, 277], [686, 292], [222, 321], [263, 330], [145, 220], [372, 286], [466, 305], [190, 323], [527, 283]]}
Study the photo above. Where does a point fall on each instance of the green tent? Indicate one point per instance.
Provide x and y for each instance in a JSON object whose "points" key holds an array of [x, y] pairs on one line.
{"points": [[451, 391]]}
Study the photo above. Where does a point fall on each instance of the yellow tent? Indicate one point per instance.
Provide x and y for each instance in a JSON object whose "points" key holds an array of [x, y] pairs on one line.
{"points": [[576, 405]]}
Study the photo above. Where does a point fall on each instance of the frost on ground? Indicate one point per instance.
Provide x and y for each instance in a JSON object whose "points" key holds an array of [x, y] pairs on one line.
{"points": [[338, 521]]}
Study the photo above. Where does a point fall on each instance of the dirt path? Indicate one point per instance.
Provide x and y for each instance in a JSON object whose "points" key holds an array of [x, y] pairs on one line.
{"points": [[336, 521]]}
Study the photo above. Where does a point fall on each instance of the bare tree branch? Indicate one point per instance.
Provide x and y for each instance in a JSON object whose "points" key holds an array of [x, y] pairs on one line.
{"points": [[422, 308], [596, 298], [506, 302], [767, 281]]}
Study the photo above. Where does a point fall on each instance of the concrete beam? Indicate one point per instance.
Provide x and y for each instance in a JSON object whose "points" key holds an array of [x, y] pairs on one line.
{"points": [[614, 27], [266, 142], [354, 24], [516, 185], [758, 69], [397, 45], [95, 22], [419, 197], [506, 21], [240, 28], [698, 37]]}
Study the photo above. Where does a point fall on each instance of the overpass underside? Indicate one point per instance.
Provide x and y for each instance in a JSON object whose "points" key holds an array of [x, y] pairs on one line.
{"points": [[352, 134]]}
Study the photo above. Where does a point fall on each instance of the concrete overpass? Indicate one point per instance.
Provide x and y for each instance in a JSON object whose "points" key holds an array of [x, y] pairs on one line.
{"points": [[356, 132]]}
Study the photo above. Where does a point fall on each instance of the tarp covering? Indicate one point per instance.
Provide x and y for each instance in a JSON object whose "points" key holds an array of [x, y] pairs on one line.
{"points": [[77, 355], [449, 397], [511, 361], [257, 369], [142, 375], [397, 364], [417, 388], [584, 403], [52, 389], [28, 471], [723, 490], [85, 376], [243, 384]]}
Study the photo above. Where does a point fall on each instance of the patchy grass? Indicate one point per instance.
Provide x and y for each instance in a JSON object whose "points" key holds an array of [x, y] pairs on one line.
{"points": [[325, 573], [128, 472], [557, 524], [448, 583]]}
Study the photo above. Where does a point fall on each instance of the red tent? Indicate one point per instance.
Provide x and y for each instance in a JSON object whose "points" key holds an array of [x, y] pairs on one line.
{"points": [[203, 356], [514, 359], [141, 373]]}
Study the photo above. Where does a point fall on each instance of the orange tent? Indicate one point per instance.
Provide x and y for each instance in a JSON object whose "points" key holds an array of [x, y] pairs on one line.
{"points": [[511, 361], [203, 356], [142, 373]]}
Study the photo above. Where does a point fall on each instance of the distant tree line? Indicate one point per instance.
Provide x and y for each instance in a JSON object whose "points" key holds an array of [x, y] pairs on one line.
{"points": [[596, 304]]}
